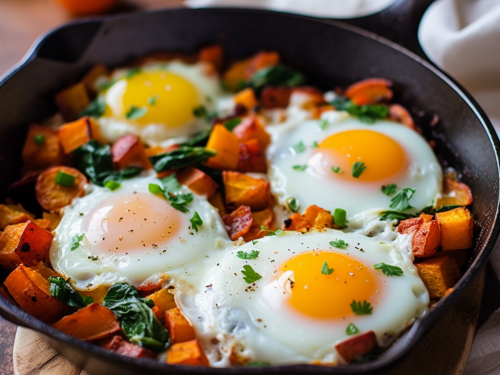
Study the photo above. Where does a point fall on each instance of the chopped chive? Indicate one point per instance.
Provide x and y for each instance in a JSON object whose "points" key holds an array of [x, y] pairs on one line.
{"points": [[39, 139], [112, 185], [65, 179], [152, 100], [358, 168]]}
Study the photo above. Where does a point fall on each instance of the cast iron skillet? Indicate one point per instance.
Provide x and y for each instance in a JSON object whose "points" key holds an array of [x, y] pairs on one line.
{"points": [[330, 53]]}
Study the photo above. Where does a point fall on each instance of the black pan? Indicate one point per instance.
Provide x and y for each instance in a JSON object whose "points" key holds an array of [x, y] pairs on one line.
{"points": [[330, 53]]}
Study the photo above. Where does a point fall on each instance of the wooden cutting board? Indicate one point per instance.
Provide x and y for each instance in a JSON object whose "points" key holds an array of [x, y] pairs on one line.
{"points": [[443, 351]]}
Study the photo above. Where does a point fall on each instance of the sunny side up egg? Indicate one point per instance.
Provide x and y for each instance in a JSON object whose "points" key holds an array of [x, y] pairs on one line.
{"points": [[297, 312], [130, 234], [312, 161], [156, 101]]}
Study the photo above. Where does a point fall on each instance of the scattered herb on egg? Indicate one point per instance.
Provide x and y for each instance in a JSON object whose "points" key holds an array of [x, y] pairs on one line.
{"points": [[389, 270]]}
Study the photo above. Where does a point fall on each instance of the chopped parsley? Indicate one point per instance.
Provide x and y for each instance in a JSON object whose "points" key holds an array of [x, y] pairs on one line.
{"points": [[231, 124], [339, 244], [401, 201], [95, 109], [388, 270], [251, 255], [366, 113], [340, 217], [336, 169], [132, 72], [152, 99], [299, 147], [358, 168], [39, 139], [270, 232], [361, 308], [76, 241], [202, 112], [389, 189], [293, 205], [250, 276], [135, 113], [394, 215], [65, 179], [315, 144], [351, 329], [196, 221], [112, 185], [179, 201], [300, 167], [325, 270], [322, 124], [254, 242]]}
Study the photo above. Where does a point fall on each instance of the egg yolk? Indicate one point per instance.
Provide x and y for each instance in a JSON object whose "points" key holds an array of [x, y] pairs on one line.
{"points": [[324, 296], [382, 156], [152, 97], [129, 223]]}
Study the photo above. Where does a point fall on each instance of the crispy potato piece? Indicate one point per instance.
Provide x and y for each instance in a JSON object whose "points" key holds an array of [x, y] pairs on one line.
{"points": [[226, 144], [119, 345], [51, 195], [10, 215], [74, 134], [32, 292], [72, 101], [275, 97], [128, 151], [438, 274], [297, 223], [187, 353], [90, 79], [400, 114], [251, 157], [252, 128], [217, 201], [357, 346], [238, 222], [49, 152], [179, 328], [260, 218], [164, 301], [246, 98], [24, 243], [306, 97], [369, 91], [152, 284], [318, 217], [243, 190], [54, 219], [213, 54], [94, 322], [197, 181], [455, 194], [243, 70], [456, 229]]}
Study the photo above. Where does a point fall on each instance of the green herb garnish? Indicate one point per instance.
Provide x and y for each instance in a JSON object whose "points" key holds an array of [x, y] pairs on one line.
{"points": [[447, 208], [351, 329], [39, 139], [277, 75], [325, 270], [180, 158], [340, 217], [394, 215], [250, 276], [202, 112], [322, 124], [152, 99], [76, 239], [299, 147], [339, 244], [270, 232], [95, 109], [300, 168], [336, 169], [388, 270], [135, 113], [389, 189], [231, 124], [293, 205], [361, 308], [196, 221], [366, 113], [112, 185], [63, 291], [358, 168], [401, 200], [65, 179], [132, 72], [315, 144], [252, 255], [254, 242], [179, 201]]}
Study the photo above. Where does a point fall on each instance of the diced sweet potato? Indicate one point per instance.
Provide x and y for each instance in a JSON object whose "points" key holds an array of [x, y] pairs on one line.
{"points": [[251, 157], [262, 60], [369, 91], [243, 190], [72, 101], [44, 270], [94, 322], [197, 181], [426, 239], [152, 284], [179, 328], [24, 243], [243, 70], [260, 218], [318, 217], [128, 151], [438, 274], [54, 219], [456, 229], [97, 294], [44, 224], [42, 148], [74, 134], [410, 226], [53, 196], [252, 128], [238, 222], [246, 98], [400, 114], [226, 144], [306, 97], [217, 201], [187, 353], [119, 345], [357, 346], [90, 79], [454, 194], [275, 97], [297, 223], [32, 292], [10, 215], [213, 54], [164, 301]]}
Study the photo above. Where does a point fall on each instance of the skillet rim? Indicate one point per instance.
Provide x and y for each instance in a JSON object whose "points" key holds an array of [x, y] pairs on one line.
{"points": [[421, 325]]}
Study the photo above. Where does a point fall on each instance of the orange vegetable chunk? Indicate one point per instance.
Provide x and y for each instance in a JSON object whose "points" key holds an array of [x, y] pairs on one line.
{"points": [[369, 91], [238, 222], [197, 181], [246, 98], [438, 274], [454, 194], [357, 346], [152, 284], [213, 54], [318, 217], [187, 353], [456, 228], [10, 215], [297, 223], [226, 144], [260, 218], [49, 152], [252, 128], [75, 134], [164, 301], [128, 151], [179, 328], [72, 101], [243, 190]]}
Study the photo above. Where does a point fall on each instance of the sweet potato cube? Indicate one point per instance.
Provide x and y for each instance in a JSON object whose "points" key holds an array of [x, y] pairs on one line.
{"points": [[318, 217], [10, 215], [74, 134], [238, 222], [121, 346], [90, 79], [213, 54], [153, 284], [260, 218], [94, 322], [217, 201], [275, 97], [252, 157], [187, 353], [164, 301], [252, 128], [226, 144], [369, 91], [438, 274], [357, 346], [128, 151], [243, 190], [42, 148], [246, 98], [410, 226], [24, 243], [456, 229], [72, 101], [179, 328], [32, 292], [54, 219], [400, 114], [197, 181], [297, 223], [426, 239], [454, 194]]}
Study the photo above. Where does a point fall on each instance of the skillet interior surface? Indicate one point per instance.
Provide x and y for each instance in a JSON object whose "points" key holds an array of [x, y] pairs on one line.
{"points": [[329, 53]]}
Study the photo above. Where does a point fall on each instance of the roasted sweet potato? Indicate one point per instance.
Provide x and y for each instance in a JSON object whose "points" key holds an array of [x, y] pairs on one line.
{"points": [[454, 194], [438, 274], [164, 301], [400, 114], [243, 190], [152, 284], [54, 219], [75, 134], [306, 97], [44, 270], [369, 91], [456, 229], [128, 151], [252, 128], [119, 345], [53, 196], [94, 322], [217, 201], [426, 239], [32, 292], [410, 226], [226, 144], [90, 79], [275, 97], [238, 222], [197, 181], [252, 157], [243, 70], [318, 217], [260, 218], [179, 328], [357, 346], [24, 243], [42, 148], [297, 223], [246, 98], [72, 101], [187, 353], [44, 224], [10, 215], [213, 54]]}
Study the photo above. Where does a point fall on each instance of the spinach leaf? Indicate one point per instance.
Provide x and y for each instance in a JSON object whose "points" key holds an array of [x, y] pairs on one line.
{"points": [[180, 158], [199, 139], [95, 109], [136, 317], [366, 113], [63, 291], [277, 75]]}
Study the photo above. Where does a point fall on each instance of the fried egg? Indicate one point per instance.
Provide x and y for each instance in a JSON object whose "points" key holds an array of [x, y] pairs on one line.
{"points": [[312, 161], [157, 101], [297, 311], [129, 234]]}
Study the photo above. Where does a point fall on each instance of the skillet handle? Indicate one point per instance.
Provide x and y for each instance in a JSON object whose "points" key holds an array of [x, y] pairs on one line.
{"points": [[398, 23]]}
